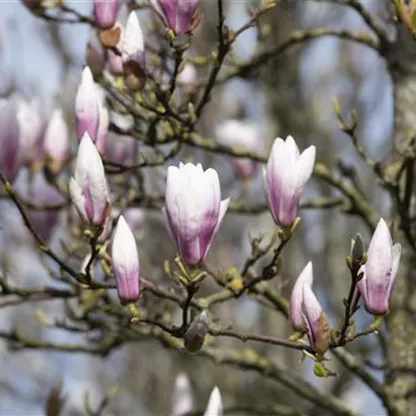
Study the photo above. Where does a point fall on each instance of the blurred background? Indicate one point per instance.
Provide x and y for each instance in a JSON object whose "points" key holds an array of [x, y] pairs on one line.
{"points": [[292, 94]]}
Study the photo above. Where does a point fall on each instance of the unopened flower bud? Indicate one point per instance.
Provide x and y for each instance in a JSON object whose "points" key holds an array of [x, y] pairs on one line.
{"points": [[193, 217], [125, 262], [285, 176], [105, 13], [357, 255], [379, 271], [195, 334]]}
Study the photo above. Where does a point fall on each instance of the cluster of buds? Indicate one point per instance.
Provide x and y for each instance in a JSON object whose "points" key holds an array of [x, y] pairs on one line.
{"points": [[27, 141], [285, 176]]}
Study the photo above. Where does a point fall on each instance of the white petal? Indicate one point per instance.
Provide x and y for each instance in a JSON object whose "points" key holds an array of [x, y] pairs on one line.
{"points": [[133, 41], [77, 198], [296, 299], [380, 254], [292, 149], [304, 166], [214, 407]]}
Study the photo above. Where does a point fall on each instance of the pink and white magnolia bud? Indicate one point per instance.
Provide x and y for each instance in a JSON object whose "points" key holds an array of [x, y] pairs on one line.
{"points": [[242, 134], [296, 299], [56, 141], [214, 407], [285, 176], [193, 209], [88, 189], [132, 45], [31, 125], [87, 106], [105, 13], [317, 326], [125, 262], [380, 270], [10, 154], [178, 15], [132, 54], [182, 400]]}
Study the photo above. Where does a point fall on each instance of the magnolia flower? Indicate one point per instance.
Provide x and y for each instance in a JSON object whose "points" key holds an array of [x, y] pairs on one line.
{"points": [[214, 407], [87, 106], [56, 141], [105, 13], [316, 322], [31, 126], [88, 189], [285, 176], [178, 15], [132, 53], [243, 134], [379, 271], [182, 401], [10, 154], [125, 262], [296, 299], [193, 209]]}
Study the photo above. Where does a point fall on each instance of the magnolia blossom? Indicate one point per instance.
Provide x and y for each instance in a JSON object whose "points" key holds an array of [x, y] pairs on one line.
{"points": [[316, 322], [31, 126], [56, 140], [182, 400], [193, 209], [132, 53], [105, 13], [88, 188], [125, 262], [87, 106], [296, 299], [285, 176], [214, 407], [10, 154], [242, 134], [178, 15], [379, 271]]}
